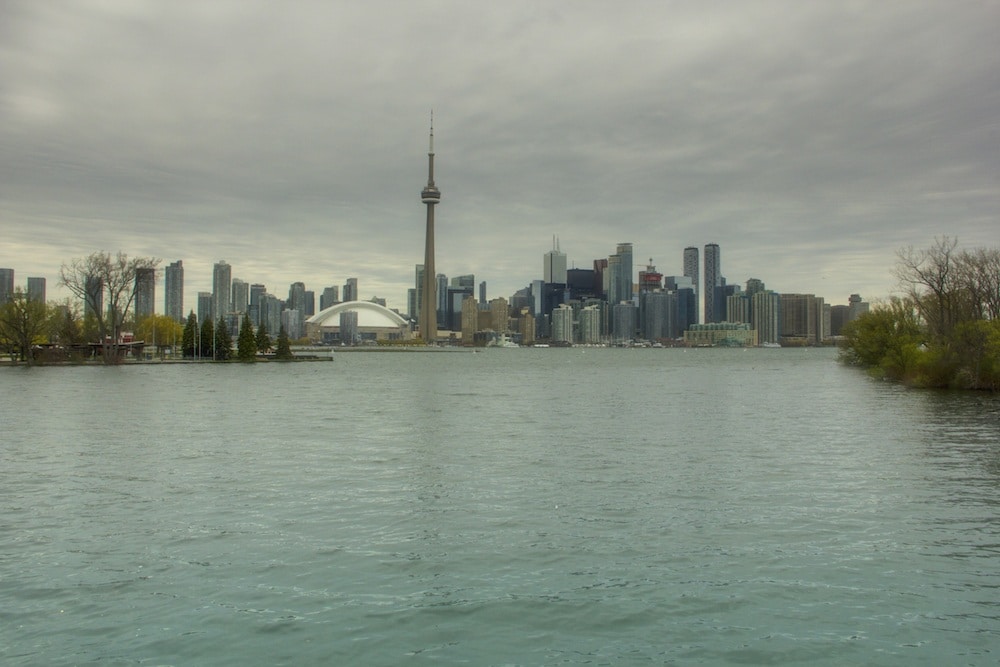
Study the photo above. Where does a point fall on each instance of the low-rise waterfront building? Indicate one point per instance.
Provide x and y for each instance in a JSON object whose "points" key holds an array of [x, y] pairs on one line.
{"points": [[730, 334]]}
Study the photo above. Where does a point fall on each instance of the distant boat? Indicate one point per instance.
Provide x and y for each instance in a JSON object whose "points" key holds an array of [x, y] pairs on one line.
{"points": [[503, 341]]}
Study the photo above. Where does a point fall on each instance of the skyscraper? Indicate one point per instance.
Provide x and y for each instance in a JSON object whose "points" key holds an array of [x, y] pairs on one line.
{"points": [[297, 296], [429, 196], [418, 292], [205, 305], [738, 308], [611, 279], [766, 316], [257, 292], [554, 264], [270, 313], [754, 285], [799, 319], [562, 324], [656, 314], [691, 271], [222, 278], [713, 279], [173, 291], [241, 296], [624, 321], [297, 302], [500, 314], [329, 297], [590, 324], [350, 291], [442, 300], [600, 276], [6, 285], [687, 304], [470, 320], [36, 289], [93, 298], [145, 293], [619, 279], [622, 278]]}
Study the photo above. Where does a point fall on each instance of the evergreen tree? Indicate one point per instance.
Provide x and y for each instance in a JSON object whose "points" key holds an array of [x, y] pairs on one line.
{"points": [[207, 338], [223, 341], [246, 345], [190, 338], [284, 351], [263, 339]]}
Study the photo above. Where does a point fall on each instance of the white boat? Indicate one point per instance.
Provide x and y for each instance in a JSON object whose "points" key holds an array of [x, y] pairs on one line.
{"points": [[503, 341]]}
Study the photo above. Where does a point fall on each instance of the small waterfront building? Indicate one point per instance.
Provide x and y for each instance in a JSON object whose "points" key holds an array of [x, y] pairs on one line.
{"points": [[726, 334]]}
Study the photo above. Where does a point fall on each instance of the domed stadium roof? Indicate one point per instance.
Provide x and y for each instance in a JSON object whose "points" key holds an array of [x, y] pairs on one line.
{"points": [[370, 316]]}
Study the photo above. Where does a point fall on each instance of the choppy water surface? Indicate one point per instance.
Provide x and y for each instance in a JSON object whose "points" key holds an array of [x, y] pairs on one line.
{"points": [[506, 507]]}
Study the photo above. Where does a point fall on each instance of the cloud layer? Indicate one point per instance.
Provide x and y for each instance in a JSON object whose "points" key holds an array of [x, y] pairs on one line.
{"points": [[810, 140]]}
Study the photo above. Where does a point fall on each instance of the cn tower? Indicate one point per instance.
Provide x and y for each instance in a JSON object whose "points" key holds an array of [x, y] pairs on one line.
{"points": [[427, 320]]}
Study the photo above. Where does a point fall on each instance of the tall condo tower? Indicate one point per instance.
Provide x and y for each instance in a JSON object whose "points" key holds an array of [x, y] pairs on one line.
{"points": [[691, 270], [222, 289], [430, 196], [6, 285], [714, 310], [173, 298], [145, 292], [620, 283]]}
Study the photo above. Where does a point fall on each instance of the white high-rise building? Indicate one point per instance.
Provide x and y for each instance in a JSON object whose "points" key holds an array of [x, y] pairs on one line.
{"points": [[562, 324], [554, 264], [590, 325]]}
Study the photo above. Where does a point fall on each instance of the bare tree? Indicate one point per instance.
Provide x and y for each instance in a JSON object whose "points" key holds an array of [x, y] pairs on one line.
{"points": [[106, 284], [979, 278], [929, 278]]}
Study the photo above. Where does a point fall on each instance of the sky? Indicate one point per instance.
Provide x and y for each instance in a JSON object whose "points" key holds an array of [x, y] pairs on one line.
{"points": [[810, 140]]}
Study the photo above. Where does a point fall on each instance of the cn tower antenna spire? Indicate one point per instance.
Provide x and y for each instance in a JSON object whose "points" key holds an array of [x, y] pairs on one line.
{"points": [[431, 152]]}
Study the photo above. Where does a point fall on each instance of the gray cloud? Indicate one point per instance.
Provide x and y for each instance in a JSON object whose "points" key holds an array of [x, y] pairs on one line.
{"points": [[810, 140]]}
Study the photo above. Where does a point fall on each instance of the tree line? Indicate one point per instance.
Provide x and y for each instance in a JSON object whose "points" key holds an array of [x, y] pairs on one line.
{"points": [[212, 340], [944, 328], [106, 287]]}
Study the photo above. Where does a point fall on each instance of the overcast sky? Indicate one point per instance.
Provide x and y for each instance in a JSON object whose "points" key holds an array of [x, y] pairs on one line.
{"points": [[810, 140]]}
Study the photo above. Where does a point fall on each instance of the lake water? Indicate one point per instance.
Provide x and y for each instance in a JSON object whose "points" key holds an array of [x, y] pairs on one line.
{"points": [[560, 506]]}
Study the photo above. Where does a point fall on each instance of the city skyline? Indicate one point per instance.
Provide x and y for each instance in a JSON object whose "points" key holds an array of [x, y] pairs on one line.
{"points": [[811, 157], [619, 287]]}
